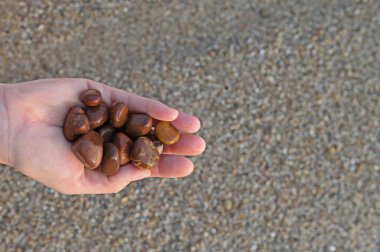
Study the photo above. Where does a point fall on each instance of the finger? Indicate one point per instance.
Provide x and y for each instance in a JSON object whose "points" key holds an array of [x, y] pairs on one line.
{"points": [[186, 123], [136, 103], [141, 104], [171, 166], [188, 145]]}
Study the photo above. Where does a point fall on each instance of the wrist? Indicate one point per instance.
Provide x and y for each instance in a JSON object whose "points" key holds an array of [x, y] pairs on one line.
{"points": [[4, 126]]}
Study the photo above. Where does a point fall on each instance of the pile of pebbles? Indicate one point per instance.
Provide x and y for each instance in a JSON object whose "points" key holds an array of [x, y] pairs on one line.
{"points": [[106, 137]]}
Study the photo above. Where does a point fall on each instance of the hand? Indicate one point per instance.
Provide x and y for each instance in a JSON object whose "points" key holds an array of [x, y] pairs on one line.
{"points": [[38, 149]]}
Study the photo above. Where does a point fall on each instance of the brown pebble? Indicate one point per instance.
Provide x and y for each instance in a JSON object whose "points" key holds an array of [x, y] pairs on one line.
{"points": [[119, 114], [159, 146], [89, 149], [144, 154], [110, 162], [155, 141], [124, 145], [166, 133], [108, 132], [138, 125], [76, 123], [91, 97], [97, 115]]}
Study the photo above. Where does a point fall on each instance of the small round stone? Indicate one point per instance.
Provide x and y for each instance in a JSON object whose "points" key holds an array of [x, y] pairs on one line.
{"points": [[76, 123], [91, 97], [138, 125], [166, 133], [89, 149], [144, 154], [97, 115], [124, 145], [107, 131], [119, 114], [110, 162]]}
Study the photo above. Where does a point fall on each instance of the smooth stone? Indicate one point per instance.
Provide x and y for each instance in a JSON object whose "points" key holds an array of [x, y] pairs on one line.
{"points": [[76, 123], [119, 114], [108, 132], [91, 97], [144, 154], [138, 125], [166, 133], [97, 115], [110, 162], [124, 145], [89, 149]]}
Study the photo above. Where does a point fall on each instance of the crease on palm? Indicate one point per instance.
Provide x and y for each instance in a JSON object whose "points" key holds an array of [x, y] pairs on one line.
{"points": [[36, 120], [40, 134]]}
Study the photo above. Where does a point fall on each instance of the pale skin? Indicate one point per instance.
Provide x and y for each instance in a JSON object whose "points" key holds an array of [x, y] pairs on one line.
{"points": [[31, 139]]}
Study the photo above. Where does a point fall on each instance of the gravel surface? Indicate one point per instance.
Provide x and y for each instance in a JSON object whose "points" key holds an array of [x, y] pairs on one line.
{"points": [[288, 94]]}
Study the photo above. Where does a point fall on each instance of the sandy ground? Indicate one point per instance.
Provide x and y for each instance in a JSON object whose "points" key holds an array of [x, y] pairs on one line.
{"points": [[288, 94]]}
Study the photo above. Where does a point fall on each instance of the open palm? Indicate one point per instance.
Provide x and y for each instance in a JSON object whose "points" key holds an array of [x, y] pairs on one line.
{"points": [[38, 149]]}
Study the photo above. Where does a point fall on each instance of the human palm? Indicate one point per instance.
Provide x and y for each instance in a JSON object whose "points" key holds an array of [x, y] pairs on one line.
{"points": [[38, 149]]}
